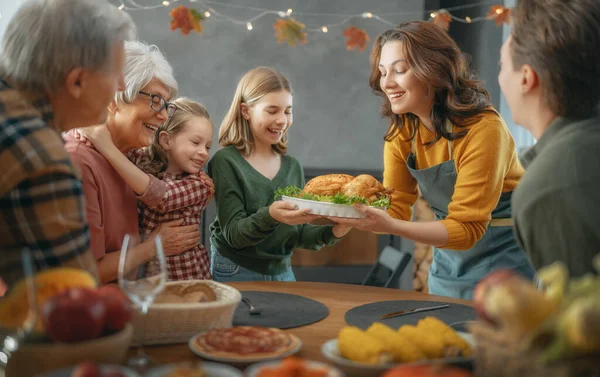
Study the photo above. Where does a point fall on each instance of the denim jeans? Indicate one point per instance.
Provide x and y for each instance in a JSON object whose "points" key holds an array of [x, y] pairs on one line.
{"points": [[224, 270]]}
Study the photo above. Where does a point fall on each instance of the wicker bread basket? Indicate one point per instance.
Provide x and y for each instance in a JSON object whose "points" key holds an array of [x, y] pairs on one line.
{"points": [[497, 354], [168, 323]]}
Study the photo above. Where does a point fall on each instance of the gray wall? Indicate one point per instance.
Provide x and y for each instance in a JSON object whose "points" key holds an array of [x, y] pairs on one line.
{"points": [[336, 119]]}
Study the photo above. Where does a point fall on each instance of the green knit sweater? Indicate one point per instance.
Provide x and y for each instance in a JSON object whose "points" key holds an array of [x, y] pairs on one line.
{"points": [[243, 230]]}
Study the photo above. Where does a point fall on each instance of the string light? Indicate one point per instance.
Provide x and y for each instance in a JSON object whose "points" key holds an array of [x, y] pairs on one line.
{"points": [[132, 5]]}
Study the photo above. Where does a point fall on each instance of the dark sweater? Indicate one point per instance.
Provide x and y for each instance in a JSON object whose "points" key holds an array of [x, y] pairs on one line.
{"points": [[556, 205], [243, 230]]}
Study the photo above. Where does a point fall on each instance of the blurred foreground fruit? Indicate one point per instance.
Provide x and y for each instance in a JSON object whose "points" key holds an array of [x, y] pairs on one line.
{"points": [[118, 308], [74, 315]]}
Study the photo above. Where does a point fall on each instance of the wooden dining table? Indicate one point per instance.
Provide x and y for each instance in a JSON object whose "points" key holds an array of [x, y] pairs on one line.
{"points": [[338, 298]]}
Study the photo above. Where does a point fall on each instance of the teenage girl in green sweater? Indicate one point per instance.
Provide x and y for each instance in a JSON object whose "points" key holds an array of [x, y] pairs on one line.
{"points": [[253, 236]]}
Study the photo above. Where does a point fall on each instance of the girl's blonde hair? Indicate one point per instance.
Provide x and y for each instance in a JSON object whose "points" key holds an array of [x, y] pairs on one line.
{"points": [[157, 161], [235, 129]]}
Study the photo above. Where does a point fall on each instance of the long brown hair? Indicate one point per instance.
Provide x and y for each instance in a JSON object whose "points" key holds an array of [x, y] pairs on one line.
{"points": [[235, 129], [436, 61], [157, 161]]}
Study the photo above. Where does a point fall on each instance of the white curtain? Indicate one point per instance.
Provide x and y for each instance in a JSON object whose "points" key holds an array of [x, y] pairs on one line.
{"points": [[522, 137]]}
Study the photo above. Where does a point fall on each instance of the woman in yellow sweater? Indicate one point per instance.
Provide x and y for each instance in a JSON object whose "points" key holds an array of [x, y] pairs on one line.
{"points": [[447, 141]]}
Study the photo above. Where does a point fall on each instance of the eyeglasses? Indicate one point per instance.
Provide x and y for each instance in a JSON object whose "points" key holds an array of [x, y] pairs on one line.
{"points": [[157, 103]]}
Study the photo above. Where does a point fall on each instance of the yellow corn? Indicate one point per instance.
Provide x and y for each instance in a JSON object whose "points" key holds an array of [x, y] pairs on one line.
{"points": [[430, 343], [449, 337], [402, 349], [357, 345]]}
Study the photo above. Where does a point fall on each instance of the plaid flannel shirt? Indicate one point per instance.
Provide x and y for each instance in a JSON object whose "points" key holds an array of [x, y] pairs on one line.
{"points": [[179, 196], [41, 196]]}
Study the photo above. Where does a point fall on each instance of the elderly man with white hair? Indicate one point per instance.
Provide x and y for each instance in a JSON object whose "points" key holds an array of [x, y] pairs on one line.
{"points": [[61, 64], [133, 117]]}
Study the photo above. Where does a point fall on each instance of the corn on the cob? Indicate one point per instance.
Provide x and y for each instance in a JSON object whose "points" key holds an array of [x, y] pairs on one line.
{"points": [[357, 345], [430, 343], [450, 338], [402, 349]]}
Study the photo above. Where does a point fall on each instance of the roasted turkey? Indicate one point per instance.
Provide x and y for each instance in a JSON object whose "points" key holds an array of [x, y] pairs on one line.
{"points": [[366, 186], [329, 184]]}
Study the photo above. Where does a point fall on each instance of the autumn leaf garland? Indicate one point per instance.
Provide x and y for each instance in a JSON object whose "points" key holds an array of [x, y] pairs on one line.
{"points": [[291, 31], [356, 38], [186, 19]]}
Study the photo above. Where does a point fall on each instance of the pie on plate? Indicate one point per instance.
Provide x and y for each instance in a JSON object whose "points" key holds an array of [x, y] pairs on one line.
{"points": [[245, 344]]}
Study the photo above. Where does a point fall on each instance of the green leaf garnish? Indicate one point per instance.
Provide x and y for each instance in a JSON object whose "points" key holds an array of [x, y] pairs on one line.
{"points": [[295, 192]]}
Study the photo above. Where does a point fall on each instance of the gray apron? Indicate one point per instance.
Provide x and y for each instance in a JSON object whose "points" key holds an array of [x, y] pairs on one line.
{"points": [[454, 273]]}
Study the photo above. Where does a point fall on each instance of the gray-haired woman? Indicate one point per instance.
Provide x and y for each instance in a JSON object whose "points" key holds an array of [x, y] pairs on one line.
{"points": [[133, 117]]}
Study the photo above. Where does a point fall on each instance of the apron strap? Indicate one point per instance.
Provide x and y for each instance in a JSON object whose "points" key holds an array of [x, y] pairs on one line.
{"points": [[449, 129]]}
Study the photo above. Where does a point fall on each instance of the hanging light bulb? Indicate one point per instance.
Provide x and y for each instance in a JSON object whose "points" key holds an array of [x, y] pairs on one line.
{"points": [[249, 26], [122, 6], [289, 11], [165, 3], [207, 14], [433, 14], [468, 19], [367, 15], [324, 29]]}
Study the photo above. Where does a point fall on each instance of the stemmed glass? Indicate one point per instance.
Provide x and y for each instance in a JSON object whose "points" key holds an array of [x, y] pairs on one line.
{"points": [[142, 283], [18, 305]]}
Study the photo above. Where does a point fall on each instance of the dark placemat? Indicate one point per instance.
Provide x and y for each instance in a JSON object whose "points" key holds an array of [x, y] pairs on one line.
{"points": [[280, 310], [363, 316]]}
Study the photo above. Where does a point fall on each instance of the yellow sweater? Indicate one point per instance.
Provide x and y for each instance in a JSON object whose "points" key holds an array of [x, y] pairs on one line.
{"points": [[486, 163]]}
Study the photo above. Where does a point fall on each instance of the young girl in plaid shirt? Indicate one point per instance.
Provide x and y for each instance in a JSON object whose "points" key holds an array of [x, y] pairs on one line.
{"points": [[253, 236], [172, 165]]}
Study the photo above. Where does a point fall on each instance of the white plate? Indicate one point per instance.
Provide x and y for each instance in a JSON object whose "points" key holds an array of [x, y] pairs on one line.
{"points": [[330, 350], [210, 370], [104, 368], [236, 360], [254, 369], [326, 208]]}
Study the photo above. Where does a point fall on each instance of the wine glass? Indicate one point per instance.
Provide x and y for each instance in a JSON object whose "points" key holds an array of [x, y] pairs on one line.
{"points": [[142, 283], [18, 305]]}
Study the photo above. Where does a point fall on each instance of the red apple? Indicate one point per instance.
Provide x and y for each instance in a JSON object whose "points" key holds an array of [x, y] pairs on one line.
{"points": [[494, 278], [74, 315], [87, 369], [118, 308]]}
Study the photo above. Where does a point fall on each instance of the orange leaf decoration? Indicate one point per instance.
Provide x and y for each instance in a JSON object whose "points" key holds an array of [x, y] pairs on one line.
{"points": [[290, 31], [357, 38], [442, 19], [185, 19], [500, 14]]}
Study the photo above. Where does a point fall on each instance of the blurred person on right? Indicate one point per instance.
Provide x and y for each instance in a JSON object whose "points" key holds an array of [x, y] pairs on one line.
{"points": [[550, 76]]}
